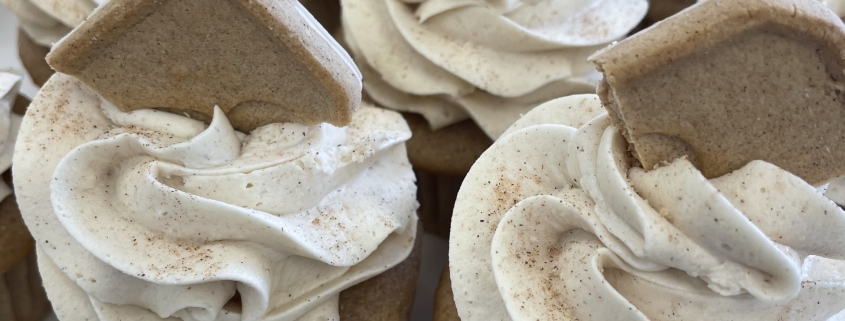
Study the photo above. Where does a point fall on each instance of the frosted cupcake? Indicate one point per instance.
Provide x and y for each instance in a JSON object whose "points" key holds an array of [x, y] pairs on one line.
{"points": [[554, 236], [717, 216], [460, 69], [489, 61], [288, 201]]}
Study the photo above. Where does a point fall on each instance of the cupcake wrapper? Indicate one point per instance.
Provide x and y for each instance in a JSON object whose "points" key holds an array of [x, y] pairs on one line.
{"points": [[387, 296], [444, 300], [22, 297], [436, 194]]}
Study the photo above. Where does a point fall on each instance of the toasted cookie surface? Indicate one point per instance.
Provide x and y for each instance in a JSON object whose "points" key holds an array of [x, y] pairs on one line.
{"points": [[728, 82], [261, 61]]}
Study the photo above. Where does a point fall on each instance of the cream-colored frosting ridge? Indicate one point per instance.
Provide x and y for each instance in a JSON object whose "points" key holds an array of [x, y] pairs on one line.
{"points": [[553, 223], [149, 215], [491, 60]]}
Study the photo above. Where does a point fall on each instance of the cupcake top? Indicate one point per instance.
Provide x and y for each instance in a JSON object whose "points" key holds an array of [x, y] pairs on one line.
{"points": [[157, 215], [489, 60], [152, 215], [556, 221], [553, 223]]}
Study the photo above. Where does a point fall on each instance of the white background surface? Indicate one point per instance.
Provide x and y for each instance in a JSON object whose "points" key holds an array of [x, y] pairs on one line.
{"points": [[434, 247]]}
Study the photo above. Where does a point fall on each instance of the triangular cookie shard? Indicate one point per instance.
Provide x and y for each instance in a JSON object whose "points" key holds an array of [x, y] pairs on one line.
{"points": [[261, 61], [730, 81]]}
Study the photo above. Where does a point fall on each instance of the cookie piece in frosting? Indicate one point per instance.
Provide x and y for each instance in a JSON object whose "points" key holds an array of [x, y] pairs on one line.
{"points": [[763, 77], [261, 65]]}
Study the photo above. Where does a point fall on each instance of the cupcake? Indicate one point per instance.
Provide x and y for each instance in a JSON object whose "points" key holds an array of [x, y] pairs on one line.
{"points": [[294, 201], [22, 297], [45, 22], [697, 195], [464, 70]]}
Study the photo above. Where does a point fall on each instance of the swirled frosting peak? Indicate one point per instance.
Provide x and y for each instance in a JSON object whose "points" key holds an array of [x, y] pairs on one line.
{"points": [[153, 216], [489, 60], [553, 223]]}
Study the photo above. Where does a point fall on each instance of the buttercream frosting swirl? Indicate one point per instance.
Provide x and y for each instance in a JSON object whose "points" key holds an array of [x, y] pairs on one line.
{"points": [[10, 122], [553, 223], [155, 216], [490, 60]]}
